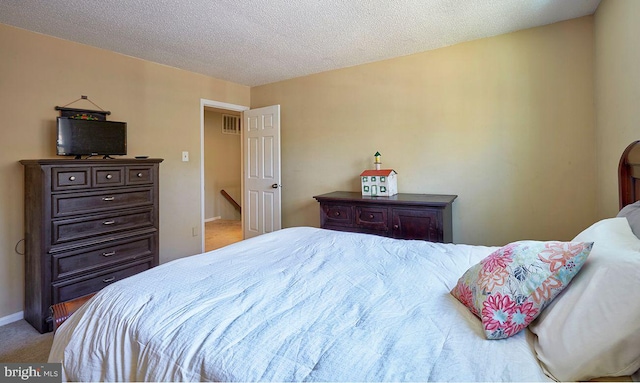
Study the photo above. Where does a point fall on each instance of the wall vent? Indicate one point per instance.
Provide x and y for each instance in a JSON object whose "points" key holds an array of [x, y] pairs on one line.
{"points": [[230, 124]]}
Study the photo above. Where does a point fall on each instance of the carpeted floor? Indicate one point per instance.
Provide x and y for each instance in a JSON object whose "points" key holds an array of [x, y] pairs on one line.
{"points": [[21, 343], [222, 232]]}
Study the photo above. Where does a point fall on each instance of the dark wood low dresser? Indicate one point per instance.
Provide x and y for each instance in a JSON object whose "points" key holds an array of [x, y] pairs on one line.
{"points": [[404, 216], [88, 223]]}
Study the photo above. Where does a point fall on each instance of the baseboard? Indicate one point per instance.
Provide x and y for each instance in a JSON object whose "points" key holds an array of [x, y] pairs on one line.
{"points": [[213, 219], [11, 318]]}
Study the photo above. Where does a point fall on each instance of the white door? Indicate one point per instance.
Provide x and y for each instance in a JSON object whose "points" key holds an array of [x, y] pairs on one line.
{"points": [[261, 152]]}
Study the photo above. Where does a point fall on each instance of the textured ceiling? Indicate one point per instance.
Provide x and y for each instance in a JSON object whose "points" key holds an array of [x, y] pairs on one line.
{"points": [[255, 42]]}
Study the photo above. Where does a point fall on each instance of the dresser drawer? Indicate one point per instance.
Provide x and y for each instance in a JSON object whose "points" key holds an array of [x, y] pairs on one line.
{"points": [[333, 214], [376, 218], [108, 176], [65, 230], [77, 287], [65, 178], [138, 175], [68, 264], [64, 205]]}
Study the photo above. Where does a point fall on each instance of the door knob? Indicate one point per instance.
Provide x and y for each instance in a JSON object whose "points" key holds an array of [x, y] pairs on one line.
{"points": [[275, 186]]}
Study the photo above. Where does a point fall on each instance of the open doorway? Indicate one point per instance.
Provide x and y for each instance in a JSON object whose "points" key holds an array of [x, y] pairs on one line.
{"points": [[221, 166]]}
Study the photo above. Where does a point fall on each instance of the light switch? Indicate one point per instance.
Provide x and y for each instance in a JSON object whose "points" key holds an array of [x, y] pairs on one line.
{"points": [[185, 156]]}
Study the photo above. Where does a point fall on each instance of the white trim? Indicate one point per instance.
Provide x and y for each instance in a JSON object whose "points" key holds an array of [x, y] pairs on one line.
{"points": [[11, 318], [223, 105], [213, 219], [213, 104]]}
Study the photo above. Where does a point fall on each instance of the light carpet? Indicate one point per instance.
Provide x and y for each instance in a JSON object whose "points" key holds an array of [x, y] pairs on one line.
{"points": [[21, 343]]}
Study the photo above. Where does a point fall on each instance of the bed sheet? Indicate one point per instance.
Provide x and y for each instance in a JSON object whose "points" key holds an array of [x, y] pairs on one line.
{"points": [[300, 304]]}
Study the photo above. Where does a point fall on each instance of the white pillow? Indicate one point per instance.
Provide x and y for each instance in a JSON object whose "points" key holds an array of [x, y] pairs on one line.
{"points": [[592, 329], [632, 212]]}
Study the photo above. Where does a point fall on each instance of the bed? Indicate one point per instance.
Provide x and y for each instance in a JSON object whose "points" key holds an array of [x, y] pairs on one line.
{"points": [[308, 304]]}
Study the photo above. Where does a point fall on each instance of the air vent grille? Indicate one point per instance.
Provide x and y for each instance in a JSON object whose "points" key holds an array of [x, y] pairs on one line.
{"points": [[230, 124]]}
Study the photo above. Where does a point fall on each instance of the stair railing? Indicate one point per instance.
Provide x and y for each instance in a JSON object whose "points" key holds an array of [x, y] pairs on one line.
{"points": [[231, 200]]}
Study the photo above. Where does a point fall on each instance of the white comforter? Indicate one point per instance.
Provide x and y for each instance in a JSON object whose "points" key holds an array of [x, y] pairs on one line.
{"points": [[297, 304]]}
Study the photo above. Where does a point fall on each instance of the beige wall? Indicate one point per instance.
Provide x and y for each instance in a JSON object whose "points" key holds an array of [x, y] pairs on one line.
{"points": [[617, 96], [160, 104], [506, 123], [222, 168]]}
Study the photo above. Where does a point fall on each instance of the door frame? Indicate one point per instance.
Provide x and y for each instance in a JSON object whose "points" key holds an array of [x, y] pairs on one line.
{"points": [[219, 105]]}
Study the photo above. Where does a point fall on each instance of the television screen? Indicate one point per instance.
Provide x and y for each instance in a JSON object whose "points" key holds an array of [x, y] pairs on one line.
{"points": [[90, 137]]}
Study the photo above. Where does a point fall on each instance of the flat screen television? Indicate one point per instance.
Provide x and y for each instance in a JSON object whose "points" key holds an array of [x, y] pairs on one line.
{"points": [[91, 138]]}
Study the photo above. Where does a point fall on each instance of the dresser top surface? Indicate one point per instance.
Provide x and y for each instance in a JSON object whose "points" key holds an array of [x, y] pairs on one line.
{"points": [[90, 161], [400, 198]]}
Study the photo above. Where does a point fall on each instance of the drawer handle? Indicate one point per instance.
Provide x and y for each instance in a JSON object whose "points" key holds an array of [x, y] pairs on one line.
{"points": [[395, 227], [371, 216], [108, 198], [139, 175], [108, 222], [109, 254], [337, 214], [109, 176], [107, 280], [72, 178]]}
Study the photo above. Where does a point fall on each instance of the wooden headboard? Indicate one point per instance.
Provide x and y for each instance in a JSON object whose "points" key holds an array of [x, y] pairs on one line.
{"points": [[629, 175]]}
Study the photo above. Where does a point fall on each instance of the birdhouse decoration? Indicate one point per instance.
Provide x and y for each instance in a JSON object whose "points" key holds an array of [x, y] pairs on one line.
{"points": [[379, 182]]}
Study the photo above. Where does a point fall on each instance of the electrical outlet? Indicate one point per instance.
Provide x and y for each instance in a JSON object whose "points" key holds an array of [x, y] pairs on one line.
{"points": [[194, 231], [185, 156]]}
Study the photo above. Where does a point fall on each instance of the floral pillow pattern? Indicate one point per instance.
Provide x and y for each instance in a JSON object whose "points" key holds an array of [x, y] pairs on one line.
{"points": [[508, 289]]}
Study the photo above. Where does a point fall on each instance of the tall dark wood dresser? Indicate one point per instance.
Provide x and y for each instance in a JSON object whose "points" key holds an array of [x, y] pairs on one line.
{"points": [[88, 223], [403, 216]]}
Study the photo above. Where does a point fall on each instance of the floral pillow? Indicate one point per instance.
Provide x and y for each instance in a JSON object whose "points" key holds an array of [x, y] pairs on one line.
{"points": [[508, 289]]}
